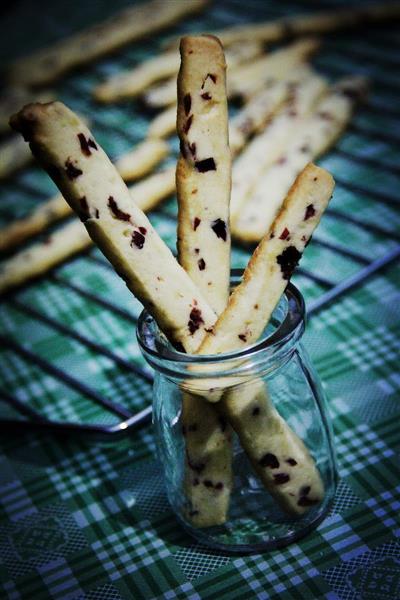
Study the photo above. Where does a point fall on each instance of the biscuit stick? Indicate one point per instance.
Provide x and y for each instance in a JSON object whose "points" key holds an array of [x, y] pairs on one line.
{"points": [[92, 186], [68, 239], [313, 136], [265, 148], [129, 25], [204, 252], [133, 164], [203, 174], [277, 454], [251, 304]]}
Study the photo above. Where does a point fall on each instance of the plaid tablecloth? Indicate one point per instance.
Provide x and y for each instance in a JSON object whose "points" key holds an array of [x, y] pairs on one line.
{"points": [[80, 519]]}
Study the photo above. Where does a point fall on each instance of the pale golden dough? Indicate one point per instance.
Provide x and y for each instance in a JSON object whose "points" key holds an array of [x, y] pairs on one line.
{"points": [[203, 175], [127, 26], [202, 125]]}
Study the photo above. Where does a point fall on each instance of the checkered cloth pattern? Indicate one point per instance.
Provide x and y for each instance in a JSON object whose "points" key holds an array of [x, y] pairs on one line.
{"points": [[79, 519]]}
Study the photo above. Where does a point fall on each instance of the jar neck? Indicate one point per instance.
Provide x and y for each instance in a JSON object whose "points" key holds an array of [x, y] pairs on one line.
{"points": [[274, 348]]}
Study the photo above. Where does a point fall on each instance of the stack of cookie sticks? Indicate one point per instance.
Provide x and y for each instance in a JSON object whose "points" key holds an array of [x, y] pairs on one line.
{"points": [[132, 165], [316, 130], [94, 189], [127, 26], [70, 238], [132, 83]]}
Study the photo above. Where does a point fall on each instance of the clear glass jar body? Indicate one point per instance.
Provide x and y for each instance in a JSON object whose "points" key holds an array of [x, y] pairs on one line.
{"points": [[279, 448]]}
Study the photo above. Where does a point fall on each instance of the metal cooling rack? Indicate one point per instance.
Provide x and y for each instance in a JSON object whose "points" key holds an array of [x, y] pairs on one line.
{"points": [[375, 56]]}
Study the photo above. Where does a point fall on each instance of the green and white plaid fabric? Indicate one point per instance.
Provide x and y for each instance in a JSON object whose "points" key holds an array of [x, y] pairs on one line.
{"points": [[79, 519]]}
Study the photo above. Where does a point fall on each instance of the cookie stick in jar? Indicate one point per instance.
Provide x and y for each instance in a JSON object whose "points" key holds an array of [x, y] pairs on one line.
{"points": [[92, 186], [204, 252], [278, 455]]}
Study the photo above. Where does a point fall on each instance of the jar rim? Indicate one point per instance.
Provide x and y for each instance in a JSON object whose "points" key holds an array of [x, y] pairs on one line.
{"points": [[287, 328]]}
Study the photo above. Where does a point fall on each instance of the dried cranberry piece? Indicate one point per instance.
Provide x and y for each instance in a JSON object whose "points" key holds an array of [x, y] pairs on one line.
{"points": [[208, 483], [288, 261], [219, 228], [219, 485], [281, 478], [291, 461], [138, 239], [269, 460], [187, 103], [209, 76], [116, 211], [197, 467], [284, 234], [188, 124], [195, 320], [208, 164], [202, 264], [206, 96], [306, 501], [242, 337], [305, 490], [196, 223], [84, 213], [255, 412], [196, 481], [86, 144], [72, 171], [310, 212], [143, 230]]}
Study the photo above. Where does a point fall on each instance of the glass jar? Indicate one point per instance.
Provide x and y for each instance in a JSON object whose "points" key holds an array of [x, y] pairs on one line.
{"points": [[255, 470]]}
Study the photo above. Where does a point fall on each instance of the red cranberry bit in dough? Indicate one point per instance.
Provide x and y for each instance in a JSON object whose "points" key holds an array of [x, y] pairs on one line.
{"points": [[202, 264], [255, 412], [242, 337], [269, 460], [116, 211], [195, 320], [86, 144], [219, 228], [208, 164], [208, 483], [281, 478], [285, 234], [288, 261], [206, 96], [72, 171], [291, 461], [138, 239], [187, 103], [188, 124], [219, 485], [196, 223], [84, 212], [310, 212], [209, 76]]}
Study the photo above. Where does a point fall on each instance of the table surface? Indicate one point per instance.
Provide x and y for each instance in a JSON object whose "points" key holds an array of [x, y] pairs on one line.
{"points": [[84, 519]]}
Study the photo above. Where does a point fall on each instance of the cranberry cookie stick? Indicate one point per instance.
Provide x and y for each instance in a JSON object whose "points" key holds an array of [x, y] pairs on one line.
{"points": [[126, 26], [204, 252], [278, 455], [68, 239], [251, 304], [203, 175], [131, 165], [94, 189], [314, 136]]}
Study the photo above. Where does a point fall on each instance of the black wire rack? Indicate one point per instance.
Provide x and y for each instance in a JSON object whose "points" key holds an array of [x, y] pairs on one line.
{"points": [[367, 58]]}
